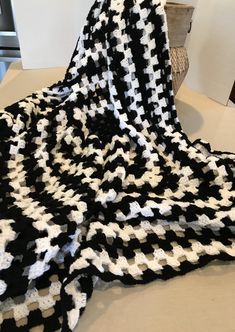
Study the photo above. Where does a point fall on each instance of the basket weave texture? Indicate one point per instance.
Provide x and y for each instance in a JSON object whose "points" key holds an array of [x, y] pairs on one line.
{"points": [[180, 66]]}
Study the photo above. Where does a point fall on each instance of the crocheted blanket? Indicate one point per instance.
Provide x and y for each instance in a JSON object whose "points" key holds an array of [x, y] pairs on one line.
{"points": [[98, 180]]}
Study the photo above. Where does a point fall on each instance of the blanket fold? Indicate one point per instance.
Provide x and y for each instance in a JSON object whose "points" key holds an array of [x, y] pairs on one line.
{"points": [[98, 179]]}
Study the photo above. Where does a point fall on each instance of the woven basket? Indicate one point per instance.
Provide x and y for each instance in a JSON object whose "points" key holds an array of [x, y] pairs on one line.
{"points": [[179, 66], [179, 23]]}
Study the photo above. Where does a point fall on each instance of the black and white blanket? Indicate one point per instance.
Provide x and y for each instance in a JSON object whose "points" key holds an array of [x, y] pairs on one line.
{"points": [[98, 180]]}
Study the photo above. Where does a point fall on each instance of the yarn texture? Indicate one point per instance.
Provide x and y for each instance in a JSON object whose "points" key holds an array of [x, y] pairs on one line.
{"points": [[98, 180]]}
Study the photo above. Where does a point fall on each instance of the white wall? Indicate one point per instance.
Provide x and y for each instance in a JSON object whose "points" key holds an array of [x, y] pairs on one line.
{"points": [[211, 49], [48, 30]]}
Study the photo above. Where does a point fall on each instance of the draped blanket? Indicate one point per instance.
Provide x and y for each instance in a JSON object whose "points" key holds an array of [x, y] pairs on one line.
{"points": [[98, 180]]}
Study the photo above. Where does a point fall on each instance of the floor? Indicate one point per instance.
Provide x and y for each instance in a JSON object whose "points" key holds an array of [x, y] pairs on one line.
{"points": [[202, 117], [201, 301]]}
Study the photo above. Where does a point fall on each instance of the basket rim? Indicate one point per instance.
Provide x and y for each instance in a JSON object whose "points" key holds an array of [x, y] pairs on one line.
{"points": [[177, 4]]}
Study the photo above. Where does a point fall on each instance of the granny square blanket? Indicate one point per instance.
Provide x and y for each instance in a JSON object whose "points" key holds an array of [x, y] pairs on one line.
{"points": [[99, 182]]}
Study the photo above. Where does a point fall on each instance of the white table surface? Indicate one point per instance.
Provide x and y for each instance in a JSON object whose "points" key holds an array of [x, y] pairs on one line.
{"points": [[201, 301]]}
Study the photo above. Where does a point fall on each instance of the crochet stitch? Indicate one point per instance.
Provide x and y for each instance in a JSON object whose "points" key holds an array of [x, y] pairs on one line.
{"points": [[98, 180]]}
